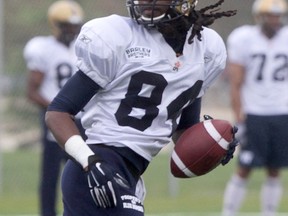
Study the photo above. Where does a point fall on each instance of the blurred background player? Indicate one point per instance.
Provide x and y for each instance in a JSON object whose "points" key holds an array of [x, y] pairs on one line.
{"points": [[140, 81], [258, 71], [51, 62]]}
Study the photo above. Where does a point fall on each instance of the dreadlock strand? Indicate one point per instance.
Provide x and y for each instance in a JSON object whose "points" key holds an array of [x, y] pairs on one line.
{"points": [[204, 17], [210, 7]]}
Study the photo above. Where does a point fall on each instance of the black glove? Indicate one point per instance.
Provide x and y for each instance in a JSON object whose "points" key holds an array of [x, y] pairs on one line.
{"points": [[232, 146], [207, 117], [104, 182]]}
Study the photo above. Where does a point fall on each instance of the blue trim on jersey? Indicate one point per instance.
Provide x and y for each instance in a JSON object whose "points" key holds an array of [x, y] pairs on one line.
{"points": [[190, 115], [75, 94]]}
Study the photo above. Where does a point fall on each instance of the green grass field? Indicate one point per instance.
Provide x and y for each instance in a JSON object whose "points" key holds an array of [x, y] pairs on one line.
{"points": [[20, 172]]}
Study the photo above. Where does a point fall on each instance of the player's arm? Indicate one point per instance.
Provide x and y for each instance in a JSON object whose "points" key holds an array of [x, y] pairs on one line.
{"points": [[35, 79], [189, 117], [101, 177], [71, 99], [236, 73]]}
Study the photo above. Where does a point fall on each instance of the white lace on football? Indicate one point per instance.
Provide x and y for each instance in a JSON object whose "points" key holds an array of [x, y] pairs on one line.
{"points": [[215, 134], [181, 165]]}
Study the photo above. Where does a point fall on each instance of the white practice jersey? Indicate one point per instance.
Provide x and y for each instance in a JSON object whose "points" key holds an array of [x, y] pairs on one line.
{"points": [[265, 89], [47, 55], [145, 86]]}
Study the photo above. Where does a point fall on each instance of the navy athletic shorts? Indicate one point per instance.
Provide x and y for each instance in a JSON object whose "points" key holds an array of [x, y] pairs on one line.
{"points": [[265, 142], [76, 194]]}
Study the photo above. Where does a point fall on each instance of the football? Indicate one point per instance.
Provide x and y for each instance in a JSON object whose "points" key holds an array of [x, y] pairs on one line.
{"points": [[201, 148]]}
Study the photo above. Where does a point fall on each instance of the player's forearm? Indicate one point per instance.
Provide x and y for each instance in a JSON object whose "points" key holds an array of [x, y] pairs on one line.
{"points": [[38, 99], [237, 106], [61, 125], [67, 134], [236, 78], [177, 134]]}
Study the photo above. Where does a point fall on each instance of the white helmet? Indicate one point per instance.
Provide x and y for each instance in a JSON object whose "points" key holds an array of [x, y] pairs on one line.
{"points": [[269, 6], [180, 7]]}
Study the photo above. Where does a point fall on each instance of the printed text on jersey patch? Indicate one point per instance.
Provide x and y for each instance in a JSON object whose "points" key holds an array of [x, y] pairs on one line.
{"points": [[138, 52]]}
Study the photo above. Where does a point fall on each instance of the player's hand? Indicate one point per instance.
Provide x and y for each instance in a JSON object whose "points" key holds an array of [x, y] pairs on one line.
{"points": [[232, 147], [241, 133], [207, 117], [104, 182]]}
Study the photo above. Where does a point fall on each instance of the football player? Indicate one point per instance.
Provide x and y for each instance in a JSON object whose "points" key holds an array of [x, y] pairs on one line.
{"points": [[51, 62], [140, 81], [258, 65]]}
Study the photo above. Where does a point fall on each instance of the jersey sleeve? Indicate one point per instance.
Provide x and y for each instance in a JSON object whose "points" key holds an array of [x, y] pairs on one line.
{"points": [[33, 55], [215, 58], [236, 48], [96, 54]]}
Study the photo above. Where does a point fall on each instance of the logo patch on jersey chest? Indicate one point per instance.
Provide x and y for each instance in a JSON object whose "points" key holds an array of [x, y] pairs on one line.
{"points": [[138, 52], [177, 65]]}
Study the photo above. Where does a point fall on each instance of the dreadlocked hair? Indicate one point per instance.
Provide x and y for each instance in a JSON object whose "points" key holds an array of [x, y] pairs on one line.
{"points": [[205, 17]]}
